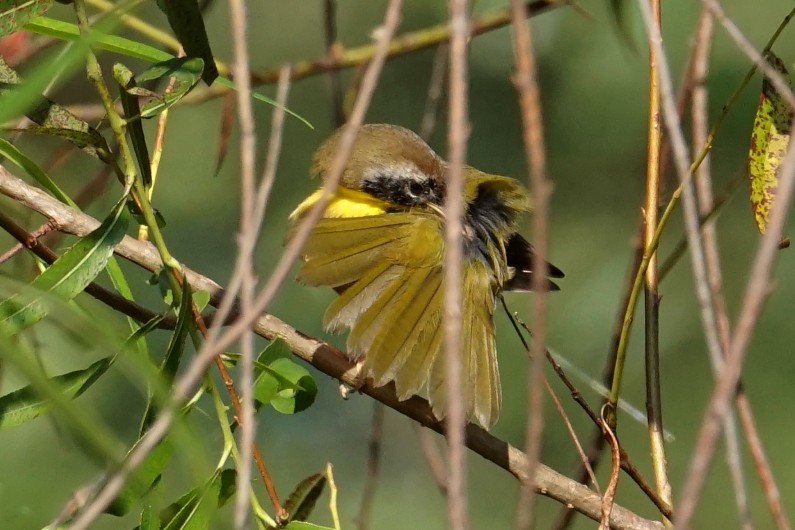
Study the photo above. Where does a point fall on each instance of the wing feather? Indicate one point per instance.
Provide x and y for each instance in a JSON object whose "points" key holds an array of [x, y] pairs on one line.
{"points": [[388, 272]]}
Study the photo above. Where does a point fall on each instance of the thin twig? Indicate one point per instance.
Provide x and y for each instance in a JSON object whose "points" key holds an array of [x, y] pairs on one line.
{"points": [[457, 135], [702, 44], [573, 435], [431, 453], [333, 50], [435, 91], [529, 97], [373, 466], [247, 240], [612, 485]]}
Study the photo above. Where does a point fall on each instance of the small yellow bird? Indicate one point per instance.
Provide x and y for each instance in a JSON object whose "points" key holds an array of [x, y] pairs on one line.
{"points": [[380, 245]]}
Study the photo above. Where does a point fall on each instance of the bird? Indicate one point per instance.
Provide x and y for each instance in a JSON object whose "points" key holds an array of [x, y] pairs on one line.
{"points": [[380, 245]]}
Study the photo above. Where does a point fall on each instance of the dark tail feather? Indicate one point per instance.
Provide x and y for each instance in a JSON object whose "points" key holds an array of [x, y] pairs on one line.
{"points": [[520, 256]]}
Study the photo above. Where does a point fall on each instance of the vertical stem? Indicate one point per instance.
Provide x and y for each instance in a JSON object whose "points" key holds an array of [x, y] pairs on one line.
{"points": [[533, 138], [651, 296], [454, 208], [246, 243]]}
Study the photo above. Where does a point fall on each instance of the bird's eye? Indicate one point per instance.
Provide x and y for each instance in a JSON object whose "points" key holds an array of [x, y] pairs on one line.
{"points": [[416, 188]]}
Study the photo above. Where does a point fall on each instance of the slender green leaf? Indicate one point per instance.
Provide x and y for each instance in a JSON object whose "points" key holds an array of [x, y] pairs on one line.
{"points": [[176, 346], [53, 119], [185, 18], [65, 278], [142, 480], [70, 32], [228, 486], [769, 142], [126, 81], [303, 525], [27, 403], [149, 516], [10, 151], [195, 509]]}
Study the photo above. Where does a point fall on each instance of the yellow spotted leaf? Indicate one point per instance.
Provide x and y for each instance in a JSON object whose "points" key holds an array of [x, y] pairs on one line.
{"points": [[769, 142]]}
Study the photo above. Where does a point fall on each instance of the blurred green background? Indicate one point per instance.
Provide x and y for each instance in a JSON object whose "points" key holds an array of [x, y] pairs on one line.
{"points": [[594, 93]]}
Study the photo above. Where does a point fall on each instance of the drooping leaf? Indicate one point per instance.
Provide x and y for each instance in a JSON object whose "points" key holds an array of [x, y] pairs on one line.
{"points": [[26, 404], [65, 278], [53, 119], [129, 103], [228, 486], [171, 360], [303, 498], [185, 18], [769, 142], [185, 72], [149, 516], [15, 13], [142, 479], [195, 509]]}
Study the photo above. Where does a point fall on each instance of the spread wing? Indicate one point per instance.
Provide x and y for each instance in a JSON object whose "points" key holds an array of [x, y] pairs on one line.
{"points": [[388, 272]]}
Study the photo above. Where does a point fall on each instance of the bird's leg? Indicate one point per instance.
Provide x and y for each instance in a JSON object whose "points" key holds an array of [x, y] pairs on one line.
{"points": [[355, 373]]}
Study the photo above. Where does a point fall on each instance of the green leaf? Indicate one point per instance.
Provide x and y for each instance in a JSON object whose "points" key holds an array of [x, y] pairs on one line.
{"points": [[301, 391], [15, 13], [278, 349], [149, 517], [302, 500], [70, 32], [10, 151], [171, 360], [142, 480], [126, 81], [303, 525], [65, 278], [185, 71], [228, 486], [27, 403], [195, 509], [90, 140], [185, 18], [769, 142], [266, 387], [53, 119]]}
